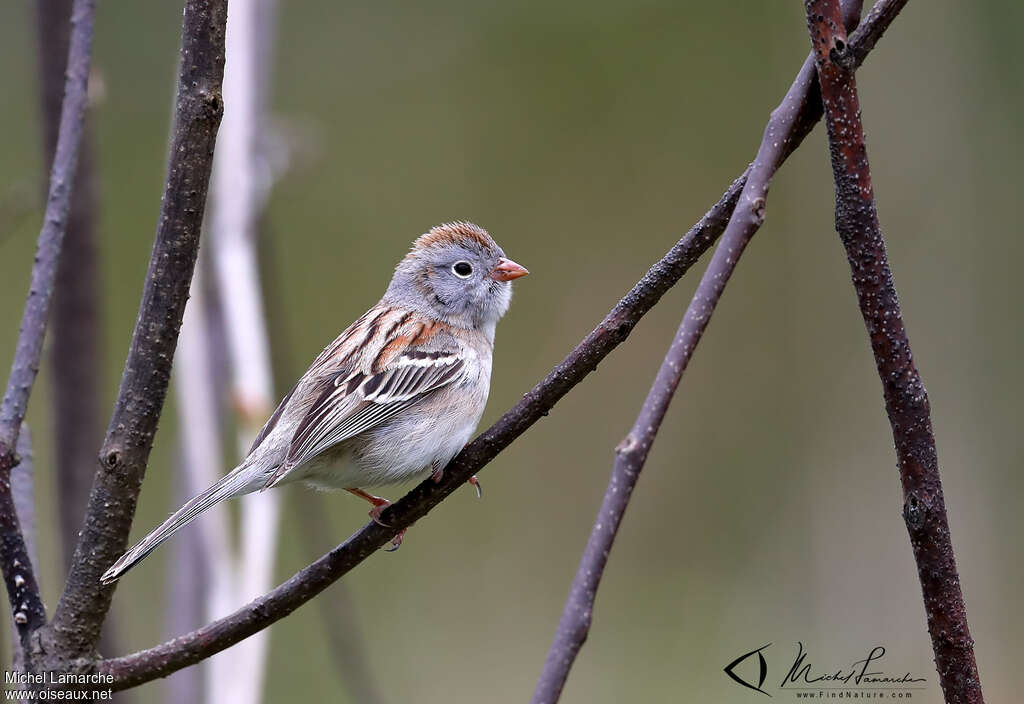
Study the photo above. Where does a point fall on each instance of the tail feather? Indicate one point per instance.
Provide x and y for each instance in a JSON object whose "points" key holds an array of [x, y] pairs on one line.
{"points": [[232, 484]]}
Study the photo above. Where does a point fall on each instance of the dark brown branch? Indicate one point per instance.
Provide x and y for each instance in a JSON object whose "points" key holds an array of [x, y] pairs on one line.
{"points": [[22, 589], [125, 451], [631, 453], [75, 325], [146, 665], [906, 402]]}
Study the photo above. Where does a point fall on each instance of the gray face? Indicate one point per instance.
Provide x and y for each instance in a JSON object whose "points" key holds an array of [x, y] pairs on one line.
{"points": [[453, 282], [460, 287]]}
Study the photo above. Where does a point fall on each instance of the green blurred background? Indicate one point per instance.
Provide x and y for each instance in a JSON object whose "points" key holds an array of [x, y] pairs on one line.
{"points": [[588, 137]]}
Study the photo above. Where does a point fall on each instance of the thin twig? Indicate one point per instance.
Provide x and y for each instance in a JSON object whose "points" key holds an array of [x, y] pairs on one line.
{"points": [[158, 661], [631, 453], [125, 451], [75, 322], [906, 402], [22, 589], [75, 328]]}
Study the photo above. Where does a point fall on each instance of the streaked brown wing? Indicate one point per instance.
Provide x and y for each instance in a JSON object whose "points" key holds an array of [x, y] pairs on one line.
{"points": [[352, 402]]}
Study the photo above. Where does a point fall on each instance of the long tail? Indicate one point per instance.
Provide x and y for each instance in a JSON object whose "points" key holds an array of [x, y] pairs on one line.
{"points": [[237, 482]]}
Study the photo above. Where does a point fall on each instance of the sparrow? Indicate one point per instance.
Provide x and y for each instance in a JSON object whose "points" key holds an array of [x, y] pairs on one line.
{"points": [[393, 398]]}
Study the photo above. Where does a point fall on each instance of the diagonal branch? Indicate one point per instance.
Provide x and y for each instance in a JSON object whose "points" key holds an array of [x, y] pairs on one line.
{"points": [[22, 589], [906, 402], [125, 451], [631, 453], [146, 665]]}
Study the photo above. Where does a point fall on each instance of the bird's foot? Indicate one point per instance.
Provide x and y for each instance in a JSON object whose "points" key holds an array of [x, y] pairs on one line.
{"points": [[396, 542], [379, 504], [377, 510], [438, 474]]}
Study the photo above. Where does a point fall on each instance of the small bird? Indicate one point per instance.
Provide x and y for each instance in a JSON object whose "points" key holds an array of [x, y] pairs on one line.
{"points": [[394, 397]]}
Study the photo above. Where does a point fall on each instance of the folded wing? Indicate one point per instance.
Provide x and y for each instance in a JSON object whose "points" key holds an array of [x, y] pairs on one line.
{"points": [[352, 402]]}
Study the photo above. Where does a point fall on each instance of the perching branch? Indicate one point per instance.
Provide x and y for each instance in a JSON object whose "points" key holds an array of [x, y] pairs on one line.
{"points": [[906, 401], [125, 451], [27, 608], [143, 666], [631, 453]]}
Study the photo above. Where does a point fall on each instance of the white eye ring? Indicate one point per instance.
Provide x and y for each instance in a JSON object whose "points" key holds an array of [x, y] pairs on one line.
{"points": [[462, 269]]}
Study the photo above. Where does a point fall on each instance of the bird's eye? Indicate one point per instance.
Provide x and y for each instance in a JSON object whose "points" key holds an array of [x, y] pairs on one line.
{"points": [[462, 269]]}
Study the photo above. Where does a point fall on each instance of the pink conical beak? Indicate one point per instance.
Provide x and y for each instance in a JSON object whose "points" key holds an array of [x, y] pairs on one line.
{"points": [[508, 270]]}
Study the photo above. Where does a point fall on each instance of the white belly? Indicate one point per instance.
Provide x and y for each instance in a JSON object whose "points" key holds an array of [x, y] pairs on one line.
{"points": [[406, 448]]}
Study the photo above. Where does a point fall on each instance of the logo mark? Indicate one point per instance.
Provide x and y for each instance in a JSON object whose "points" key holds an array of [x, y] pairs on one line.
{"points": [[763, 672]]}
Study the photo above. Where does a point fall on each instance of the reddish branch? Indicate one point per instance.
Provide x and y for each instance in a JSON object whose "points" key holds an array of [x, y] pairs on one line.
{"points": [[27, 608], [906, 402], [161, 660], [75, 628]]}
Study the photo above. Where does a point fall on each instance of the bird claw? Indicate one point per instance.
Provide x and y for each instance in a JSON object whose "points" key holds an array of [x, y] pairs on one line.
{"points": [[377, 510], [396, 542], [476, 485], [379, 504]]}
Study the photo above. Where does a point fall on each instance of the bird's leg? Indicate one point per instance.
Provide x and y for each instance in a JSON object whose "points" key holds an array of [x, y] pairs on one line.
{"points": [[438, 472], [379, 504]]}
